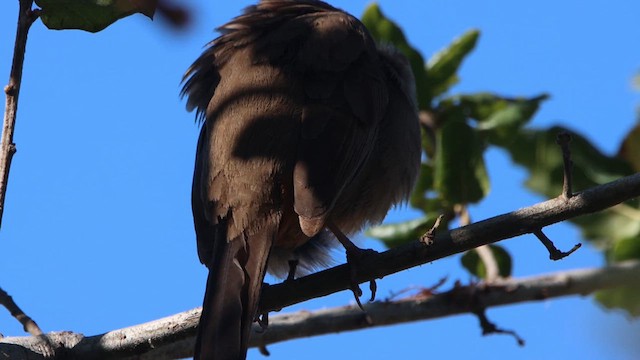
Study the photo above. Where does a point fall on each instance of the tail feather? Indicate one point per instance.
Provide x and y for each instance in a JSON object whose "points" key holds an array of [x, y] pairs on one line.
{"points": [[236, 273]]}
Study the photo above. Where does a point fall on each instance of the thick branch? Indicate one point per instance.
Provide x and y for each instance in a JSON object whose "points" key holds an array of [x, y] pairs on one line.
{"points": [[173, 337], [140, 342], [26, 17], [523, 221]]}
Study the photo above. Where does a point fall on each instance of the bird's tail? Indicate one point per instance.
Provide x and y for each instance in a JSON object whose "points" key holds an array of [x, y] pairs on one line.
{"points": [[236, 272]]}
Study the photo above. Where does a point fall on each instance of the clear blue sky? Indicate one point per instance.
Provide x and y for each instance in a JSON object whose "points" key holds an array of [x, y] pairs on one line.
{"points": [[97, 231]]}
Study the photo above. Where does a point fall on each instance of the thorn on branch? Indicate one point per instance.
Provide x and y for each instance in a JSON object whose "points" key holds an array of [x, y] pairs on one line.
{"points": [[564, 139], [554, 253], [489, 328], [430, 235]]}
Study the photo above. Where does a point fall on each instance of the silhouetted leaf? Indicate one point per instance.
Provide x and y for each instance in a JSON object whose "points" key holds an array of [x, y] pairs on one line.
{"points": [[607, 227], [383, 31], [443, 66], [460, 174], [628, 297], [424, 184], [471, 261], [625, 249], [90, 15], [630, 148], [499, 116], [538, 152]]}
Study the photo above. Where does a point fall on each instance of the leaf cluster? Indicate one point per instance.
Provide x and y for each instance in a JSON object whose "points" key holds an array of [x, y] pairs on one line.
{"points": [[457, 129]]}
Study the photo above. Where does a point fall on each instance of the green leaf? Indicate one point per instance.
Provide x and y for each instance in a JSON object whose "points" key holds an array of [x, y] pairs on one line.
{"points": [[635, 82], [471, 261], [383, 31], [630, 148], [626, 298], [401, 233], [606, 228], [460, 173], [442, 68], [424, 184], [90, 15], [625, 249], [499, 115], [538, 152]]}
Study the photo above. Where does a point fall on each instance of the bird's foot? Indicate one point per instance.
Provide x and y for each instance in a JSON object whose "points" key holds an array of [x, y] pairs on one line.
{"points": [[263, 321], [354, 258], [293, 265]]}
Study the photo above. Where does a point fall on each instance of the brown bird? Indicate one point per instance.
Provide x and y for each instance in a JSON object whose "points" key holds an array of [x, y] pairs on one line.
{"points": [[307, 126]]}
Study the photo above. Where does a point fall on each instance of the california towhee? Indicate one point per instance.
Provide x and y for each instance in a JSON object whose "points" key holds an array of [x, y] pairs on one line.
{"points": [[307, 125]]}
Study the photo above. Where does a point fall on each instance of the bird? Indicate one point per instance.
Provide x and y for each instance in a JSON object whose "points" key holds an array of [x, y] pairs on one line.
{"points": [[310, 132]]}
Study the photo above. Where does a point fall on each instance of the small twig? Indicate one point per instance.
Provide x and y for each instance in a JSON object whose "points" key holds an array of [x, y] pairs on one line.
{"points": [[489, 328], [628, 211], [488, 258], [28, 324], [26, 17], [484, 252], [563, 139], [421, 292], [554, 253], [430, 235], [462, 212]]}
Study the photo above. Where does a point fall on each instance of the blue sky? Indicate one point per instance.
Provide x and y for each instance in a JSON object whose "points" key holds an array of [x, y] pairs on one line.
{"points": [[97, 230]]}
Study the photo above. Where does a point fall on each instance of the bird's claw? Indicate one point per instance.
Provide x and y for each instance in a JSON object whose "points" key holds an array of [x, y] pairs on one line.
{"points": [[354, 256], [293, 265]]}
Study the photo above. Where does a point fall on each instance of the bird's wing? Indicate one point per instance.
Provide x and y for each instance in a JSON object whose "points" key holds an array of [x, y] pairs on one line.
{"points": [[333, 61]]}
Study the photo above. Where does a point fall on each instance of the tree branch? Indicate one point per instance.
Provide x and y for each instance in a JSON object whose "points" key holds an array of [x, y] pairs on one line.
{"points": [[26, 17], [453, 302], [28, 324], [523, 221], [174, 336], [563, 140]]}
